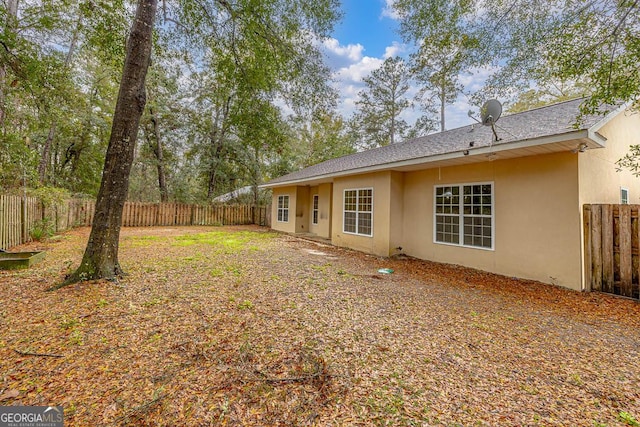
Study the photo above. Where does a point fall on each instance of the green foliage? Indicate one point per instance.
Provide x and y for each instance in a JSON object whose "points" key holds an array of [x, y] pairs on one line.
{"points": [[47, 104], [17, 162], [245, 305], [42, 230], [628, 419], [223, 241], [251, 56], [564, 49], [219, 74], [447, 45], [50, 196], [631, 161], [321, 137], [547, 94], [595, 44], [69, 323], [377, 119], [76, 337]]}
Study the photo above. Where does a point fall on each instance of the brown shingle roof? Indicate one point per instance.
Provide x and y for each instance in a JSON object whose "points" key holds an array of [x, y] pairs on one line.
{"points": [[551, 120]]}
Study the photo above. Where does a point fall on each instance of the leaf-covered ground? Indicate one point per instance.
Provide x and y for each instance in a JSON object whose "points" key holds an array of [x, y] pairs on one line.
{"points": [[241, 326]]}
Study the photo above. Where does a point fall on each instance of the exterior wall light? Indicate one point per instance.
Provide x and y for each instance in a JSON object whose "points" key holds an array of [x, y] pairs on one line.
{"points": [[581, 148]]}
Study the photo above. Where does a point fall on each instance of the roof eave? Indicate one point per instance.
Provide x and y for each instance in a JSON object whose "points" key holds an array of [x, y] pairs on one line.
{"points": [[589, 134], [594, 130]]}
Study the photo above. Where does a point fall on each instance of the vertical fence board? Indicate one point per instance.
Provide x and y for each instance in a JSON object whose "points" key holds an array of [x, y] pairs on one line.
{"points": [[3, 242], [8, 215], [607, 248], [4, 226], [126, 218], [612, 248], [588, 257], [636, 246], [596, 246], [12, 224], [18, 216], [624, 230]]}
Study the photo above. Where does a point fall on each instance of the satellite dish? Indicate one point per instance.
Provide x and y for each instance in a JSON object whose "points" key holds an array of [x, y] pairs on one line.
{"points": [[490, 112]]}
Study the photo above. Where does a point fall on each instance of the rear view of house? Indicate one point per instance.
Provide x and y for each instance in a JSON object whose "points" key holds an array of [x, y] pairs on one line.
{"points": [[511, 206]]}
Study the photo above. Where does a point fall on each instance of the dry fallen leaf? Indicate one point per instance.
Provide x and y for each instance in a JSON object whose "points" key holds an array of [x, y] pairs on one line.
{"points": [[241, 326], [9, 394]]}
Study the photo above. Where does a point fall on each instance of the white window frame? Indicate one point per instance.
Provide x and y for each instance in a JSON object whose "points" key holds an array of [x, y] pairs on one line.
{"points": [[315, 213], [282, 210], [357, 211], [624, 196], [461, 215]]}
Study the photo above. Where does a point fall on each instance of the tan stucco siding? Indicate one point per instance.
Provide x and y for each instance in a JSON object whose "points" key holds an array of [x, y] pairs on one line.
{"points": [[298, 209], [289, 226], [378, 243], [302, 209], [396, 212], [599, 180], [313, 191], [323, 229], [536, 218]]}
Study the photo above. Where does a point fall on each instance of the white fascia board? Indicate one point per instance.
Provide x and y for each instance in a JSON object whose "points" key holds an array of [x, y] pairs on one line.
{"points": [[594, 134], [525, 143], [593, 130]]}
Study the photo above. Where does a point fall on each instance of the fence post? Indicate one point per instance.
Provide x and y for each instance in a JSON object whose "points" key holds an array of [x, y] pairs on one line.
{"points": [[624, 232], [23, 219], [588, 261], [607, 248], [17, 215]]}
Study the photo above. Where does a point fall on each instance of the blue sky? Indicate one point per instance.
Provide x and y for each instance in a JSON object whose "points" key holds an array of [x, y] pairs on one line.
{"points": [[365, 22], [366, 36]]}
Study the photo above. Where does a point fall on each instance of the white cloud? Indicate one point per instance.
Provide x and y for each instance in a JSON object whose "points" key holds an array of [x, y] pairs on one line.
{"points": [[474, 79], [394, 50], [340, 56], [355, 72], [388, 10], [350, 66], [349, 82]]}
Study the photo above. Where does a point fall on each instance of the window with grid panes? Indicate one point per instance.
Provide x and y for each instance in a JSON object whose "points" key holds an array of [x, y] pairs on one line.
{"points": [[464, 215], [314, 218], [358, 211], [283, 208], [448, 214], [624, 196]]}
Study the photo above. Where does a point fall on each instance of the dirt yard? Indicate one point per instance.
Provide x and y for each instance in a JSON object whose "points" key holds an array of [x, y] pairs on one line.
{"points": [[241, 326]]}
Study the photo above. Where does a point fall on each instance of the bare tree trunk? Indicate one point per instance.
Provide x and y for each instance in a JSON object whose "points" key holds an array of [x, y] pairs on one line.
{"points": [[3, 96], [10, 24], [100, 260], [217, 142], [213, 169], [46, 151], [393, 127], [157, 151], [443, 97], [12, 10]]}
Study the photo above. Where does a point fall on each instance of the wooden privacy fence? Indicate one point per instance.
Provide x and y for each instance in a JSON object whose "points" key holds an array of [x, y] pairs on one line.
{"points": [[612, 248], [18, 216], [155, 214]]}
